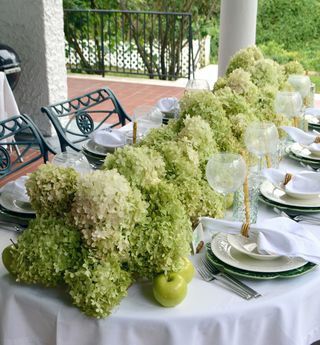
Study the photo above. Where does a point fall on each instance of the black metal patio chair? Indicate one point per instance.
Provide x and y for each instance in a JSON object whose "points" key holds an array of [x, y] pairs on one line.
{"points": [[21, 144], [75, 119]]}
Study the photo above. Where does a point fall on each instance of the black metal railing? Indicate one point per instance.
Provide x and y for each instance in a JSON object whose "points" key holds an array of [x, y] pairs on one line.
{"points": [[156, 44]]}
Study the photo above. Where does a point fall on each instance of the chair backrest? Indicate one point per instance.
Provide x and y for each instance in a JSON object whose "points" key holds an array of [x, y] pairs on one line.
{"points": [[21, 144], [75, 119]]}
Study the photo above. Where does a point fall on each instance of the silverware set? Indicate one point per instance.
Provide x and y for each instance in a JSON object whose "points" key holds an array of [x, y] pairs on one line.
{"points": [[209, 272], [308, 218]]}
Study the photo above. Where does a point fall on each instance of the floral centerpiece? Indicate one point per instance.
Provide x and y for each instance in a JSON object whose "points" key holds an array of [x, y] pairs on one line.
{"points": [[133, 219]]}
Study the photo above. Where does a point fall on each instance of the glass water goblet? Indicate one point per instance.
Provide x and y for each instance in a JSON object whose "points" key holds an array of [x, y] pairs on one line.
{"points": [[144, 118], [288, 104], [225, 173], [262, 140], [194, 85], [301, 84]]}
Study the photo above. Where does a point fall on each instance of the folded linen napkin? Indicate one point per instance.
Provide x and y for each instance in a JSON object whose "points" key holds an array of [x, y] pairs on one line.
{"points": [[17, 188], [168, 105], [299, 136], [280, 235], [306, 183], [313, 111], [109, 137]]}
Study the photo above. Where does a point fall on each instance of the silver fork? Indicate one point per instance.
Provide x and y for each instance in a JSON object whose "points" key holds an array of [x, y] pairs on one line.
{"points": [[230, 278], [208, 276]]}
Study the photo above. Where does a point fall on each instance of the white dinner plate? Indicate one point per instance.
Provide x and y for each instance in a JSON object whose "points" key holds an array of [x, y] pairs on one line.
{"points": [[303, 152], [9, 202], [273, 193], [242, 244], [222, 249]]}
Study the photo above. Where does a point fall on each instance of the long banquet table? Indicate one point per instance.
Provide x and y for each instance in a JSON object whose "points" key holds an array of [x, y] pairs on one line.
{"points": [[287, 314]]}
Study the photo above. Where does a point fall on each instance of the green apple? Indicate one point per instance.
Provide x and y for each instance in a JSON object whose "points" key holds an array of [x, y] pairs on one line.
{"points": [[169, 290], [7, 258], [187, 271]]}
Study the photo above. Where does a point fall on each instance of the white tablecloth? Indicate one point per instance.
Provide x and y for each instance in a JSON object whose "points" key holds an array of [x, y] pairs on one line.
{"points": [[287, 314]]}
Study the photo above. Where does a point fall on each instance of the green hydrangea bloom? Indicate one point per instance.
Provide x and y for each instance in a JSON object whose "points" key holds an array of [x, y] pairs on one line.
{"points": [[141, 166], [158, 244], [98, 285], [293, 67], [157, 136], [181, 160], [45, 251], [240, 82], [267, 72], [209, 107], [244, 58], [198, 133], [51, 189], [199, 199], [106, 209]]}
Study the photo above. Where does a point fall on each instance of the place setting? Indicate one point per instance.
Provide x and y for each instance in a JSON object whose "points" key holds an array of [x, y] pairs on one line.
{"points": [[305, 147], [15, 204], [275, 248]]}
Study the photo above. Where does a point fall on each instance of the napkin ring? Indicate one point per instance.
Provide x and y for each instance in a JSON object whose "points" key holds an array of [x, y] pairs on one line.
{"points": [[245, 229], [287, 178], [317, 140]]}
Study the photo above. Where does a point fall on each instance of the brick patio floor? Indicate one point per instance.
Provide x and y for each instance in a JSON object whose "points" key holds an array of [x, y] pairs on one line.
{"points": [[130, 95]]}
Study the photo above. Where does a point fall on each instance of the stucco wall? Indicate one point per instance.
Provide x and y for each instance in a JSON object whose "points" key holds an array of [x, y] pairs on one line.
{"points": [[34, 28]]}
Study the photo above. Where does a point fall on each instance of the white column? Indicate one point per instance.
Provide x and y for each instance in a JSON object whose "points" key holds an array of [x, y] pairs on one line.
{"points": [[34, 29], [238, 20]]}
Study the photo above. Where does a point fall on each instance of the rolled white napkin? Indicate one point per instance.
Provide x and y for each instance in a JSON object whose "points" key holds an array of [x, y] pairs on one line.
{"points": [[303, 185], [280, 235], [313, 111], [168, 105], [17, 188], [109, 137]]}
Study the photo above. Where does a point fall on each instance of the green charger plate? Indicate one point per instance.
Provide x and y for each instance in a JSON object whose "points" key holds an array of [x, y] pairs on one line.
{"points": [[313, 163], [292, 210], [314, 126], [223, 267]]}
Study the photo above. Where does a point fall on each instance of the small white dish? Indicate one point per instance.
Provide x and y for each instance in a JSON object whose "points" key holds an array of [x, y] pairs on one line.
{"points": [[249, 246], [297, 189]]}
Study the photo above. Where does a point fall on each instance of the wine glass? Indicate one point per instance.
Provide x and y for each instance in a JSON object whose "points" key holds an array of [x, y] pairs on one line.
{"points": [[225, 173], [301, 84], [288, 103], [194, 85], [146, 117], [75, 160], [262, 139]]}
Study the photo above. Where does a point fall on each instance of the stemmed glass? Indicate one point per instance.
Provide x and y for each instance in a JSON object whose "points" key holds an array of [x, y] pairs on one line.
{"points": [[194, 85], [288, 104], [301, 84], [144, 118], [225, 173], [262, 139]]}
